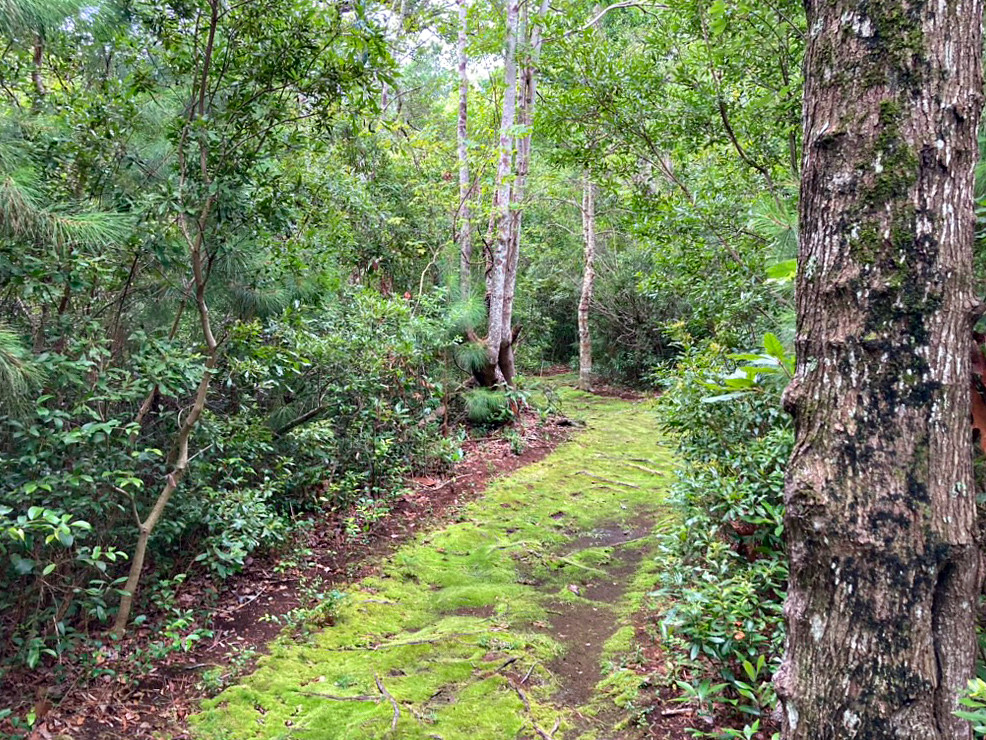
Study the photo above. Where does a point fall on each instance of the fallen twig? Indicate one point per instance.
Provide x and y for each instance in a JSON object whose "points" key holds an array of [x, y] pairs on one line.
{"points": [[672, 712], [577, 564], [607, 480], [530, 670], [518, 543], [645, 469], [505, 663], [393, 702], [385, 645], [253, 598], [544, 734], [333, 697], [523, 697]]}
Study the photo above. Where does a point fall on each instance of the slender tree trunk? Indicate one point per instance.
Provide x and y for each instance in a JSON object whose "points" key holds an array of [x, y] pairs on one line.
{"points": [[881, 511], [464, 216], [525, 117], [193, 230], [588, 279], [36, 70], [172, 481], [501, 201]]}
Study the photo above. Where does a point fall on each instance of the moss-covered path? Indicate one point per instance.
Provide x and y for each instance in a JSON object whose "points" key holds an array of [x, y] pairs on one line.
{"points": [[510, 623]]}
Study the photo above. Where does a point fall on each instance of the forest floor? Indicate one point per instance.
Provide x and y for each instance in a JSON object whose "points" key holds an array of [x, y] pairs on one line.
{"points": [[520, 619], [506, 600]]}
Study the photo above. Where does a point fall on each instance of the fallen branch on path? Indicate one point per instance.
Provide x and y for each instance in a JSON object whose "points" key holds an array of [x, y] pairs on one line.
{"points": [[518, 543], [544, 734], [530, 670], [577, 564], [646, 469], [333, 697], [508, 661], [607, 480], [523, 698], [393, 701], [385, 645], [672, 712]]}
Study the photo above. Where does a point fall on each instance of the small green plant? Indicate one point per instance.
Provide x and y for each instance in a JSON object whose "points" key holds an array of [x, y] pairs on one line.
{"points": [[487, 407], [974, 698], [723, 569], [215, 679], [319, 608], [703, 694], [516, 441]]}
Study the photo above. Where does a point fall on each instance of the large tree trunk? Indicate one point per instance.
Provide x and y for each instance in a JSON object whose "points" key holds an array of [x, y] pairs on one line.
{"points": [[588, 280], [881, 513], [464, 217]]}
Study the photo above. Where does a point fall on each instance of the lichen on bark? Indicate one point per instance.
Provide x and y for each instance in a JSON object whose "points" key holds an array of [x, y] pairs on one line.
{"points": [[880, 512]]}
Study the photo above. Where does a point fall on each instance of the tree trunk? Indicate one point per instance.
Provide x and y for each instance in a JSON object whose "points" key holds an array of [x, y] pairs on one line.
{"points": [[881, 511], [525, 117], [36, 70], [193, 231], [172, 481], [464, 217], [588, 278], [501, 199]]}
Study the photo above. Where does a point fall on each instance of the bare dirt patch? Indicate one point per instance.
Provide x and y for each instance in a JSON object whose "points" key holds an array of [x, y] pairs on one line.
{"points": [[585, 625]]}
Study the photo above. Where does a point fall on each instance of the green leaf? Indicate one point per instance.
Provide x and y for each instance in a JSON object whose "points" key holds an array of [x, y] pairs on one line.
{"points": [[65, 537], [723, 397], [774, 347], [783, 272], [22, 566]]}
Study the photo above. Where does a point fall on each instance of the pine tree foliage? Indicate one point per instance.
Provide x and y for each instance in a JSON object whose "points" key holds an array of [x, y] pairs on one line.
{"points": [[20, 376]]}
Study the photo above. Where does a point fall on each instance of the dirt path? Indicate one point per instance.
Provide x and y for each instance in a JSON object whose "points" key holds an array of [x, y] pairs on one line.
{"points": [[514, 622]]}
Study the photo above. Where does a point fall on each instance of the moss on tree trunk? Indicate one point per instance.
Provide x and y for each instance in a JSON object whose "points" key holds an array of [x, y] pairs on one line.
{"points": [[880, 507]]}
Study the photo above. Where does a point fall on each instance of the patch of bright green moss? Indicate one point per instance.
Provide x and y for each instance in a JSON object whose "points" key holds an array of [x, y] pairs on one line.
{"points": [[447, 611]]}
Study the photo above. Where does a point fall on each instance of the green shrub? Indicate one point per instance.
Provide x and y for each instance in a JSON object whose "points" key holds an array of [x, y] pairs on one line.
{"points": [[316, 409], [724, 571]]}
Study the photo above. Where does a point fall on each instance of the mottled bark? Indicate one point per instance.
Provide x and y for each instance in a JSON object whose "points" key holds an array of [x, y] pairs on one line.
{"points": [[464, 216], [881, 513], [501, 197], [525, 117], [36, 70], [588, 280]]}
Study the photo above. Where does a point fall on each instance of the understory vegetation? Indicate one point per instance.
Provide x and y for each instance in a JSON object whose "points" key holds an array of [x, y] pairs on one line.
{"points": [[265, 265], [233, 304]]}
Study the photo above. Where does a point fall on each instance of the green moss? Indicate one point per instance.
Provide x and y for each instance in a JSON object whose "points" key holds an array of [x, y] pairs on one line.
{"points": [[449, 609], [619, 643], [622, 687]]}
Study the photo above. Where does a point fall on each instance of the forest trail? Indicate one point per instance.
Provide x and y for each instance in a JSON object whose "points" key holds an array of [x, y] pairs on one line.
{"points": [[515, 621]]}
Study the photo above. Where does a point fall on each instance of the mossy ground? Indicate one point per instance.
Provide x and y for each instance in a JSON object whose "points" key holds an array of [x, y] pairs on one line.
{"points": [[457, 620]]}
